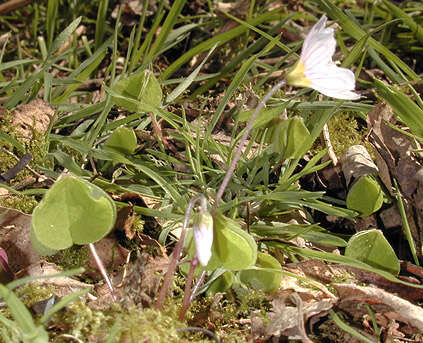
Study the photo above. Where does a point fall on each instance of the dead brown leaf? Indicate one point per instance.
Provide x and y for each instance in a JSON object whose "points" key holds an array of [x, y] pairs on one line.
{"points": [[63, 286], [125, 221], [15, 228], [142, 279]]}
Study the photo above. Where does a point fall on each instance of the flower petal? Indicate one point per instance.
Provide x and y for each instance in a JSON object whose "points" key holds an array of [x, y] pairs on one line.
{"points": [[319, 45], [333, 81]]}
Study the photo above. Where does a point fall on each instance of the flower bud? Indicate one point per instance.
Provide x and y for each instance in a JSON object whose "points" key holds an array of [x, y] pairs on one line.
{"points": [[203, 236]]}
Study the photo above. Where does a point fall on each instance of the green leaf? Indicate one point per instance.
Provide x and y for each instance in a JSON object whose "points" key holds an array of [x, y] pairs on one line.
{"points": [[123, 140], [221, 284], [64, 36], [142, 88], [294, 137], [372, 248], [265, 280], [73, 211], [365, 196], [232, 249]]}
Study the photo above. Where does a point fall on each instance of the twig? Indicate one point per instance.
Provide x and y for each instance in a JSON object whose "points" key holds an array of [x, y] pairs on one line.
{"points": [[12, 5], [12, 172], [238, 152], [328, 143]]}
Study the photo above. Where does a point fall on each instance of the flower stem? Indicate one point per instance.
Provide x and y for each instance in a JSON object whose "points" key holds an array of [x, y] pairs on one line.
{"points": [[102, 270], [238, 152], [187, 292], [178, 249]]}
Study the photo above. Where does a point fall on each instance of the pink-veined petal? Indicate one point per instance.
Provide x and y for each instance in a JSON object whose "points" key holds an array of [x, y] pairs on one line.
{"points": [[334, 81]]}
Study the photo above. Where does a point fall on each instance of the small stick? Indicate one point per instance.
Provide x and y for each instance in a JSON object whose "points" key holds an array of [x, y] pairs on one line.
{"points": [[328, 143], [12, 172], [238, 152], [102, 270]]}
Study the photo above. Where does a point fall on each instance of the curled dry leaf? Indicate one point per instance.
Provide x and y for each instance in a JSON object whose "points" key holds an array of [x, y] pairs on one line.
{"points": [[141, 280], [352, 298], [356, 162], [324, 273], [63, 286]]}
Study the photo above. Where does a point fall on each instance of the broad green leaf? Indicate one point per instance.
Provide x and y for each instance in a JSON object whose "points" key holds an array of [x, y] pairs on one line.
{"points": [[73, 211], [265, 280], [142, 88], [365, 196], [372, 248], [221, 284], [233, 248], [123, 140], [294, 137]]}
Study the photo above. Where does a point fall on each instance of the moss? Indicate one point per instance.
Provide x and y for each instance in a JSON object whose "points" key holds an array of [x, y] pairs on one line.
{"points": [[37, 148], [74, 257], [345, 131], [24, 203]]}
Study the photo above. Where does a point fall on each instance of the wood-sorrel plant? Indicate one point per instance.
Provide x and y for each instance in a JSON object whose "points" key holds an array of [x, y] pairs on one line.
{"points": [[315, 69]]}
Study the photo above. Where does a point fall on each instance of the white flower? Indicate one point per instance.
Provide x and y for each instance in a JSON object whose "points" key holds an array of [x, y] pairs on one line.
{"points": [[203, 236], [316, 69]]}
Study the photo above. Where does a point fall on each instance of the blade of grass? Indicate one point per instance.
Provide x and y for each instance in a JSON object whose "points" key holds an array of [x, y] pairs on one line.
{"points": [[220, 40], [100, 24], [357, 33], [406, 226]]}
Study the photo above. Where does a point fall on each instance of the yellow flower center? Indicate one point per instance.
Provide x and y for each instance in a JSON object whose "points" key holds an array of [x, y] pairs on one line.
{"points": [[296, 76]]}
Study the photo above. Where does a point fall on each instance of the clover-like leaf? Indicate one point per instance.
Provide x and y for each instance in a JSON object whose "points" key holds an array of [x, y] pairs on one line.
{"points": [[123, 140], [73, 211], [290, 136], [266, 280], [233, 248], [221, 284], [371, 247], [365, 196], [138, 92]]}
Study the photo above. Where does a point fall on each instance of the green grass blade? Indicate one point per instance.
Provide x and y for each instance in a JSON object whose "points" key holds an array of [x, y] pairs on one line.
{"points": [[220, 40], [52, 9], [415, 28], [62, 303], [357, 33], [165, 29], [64, 36], [100, 24]]}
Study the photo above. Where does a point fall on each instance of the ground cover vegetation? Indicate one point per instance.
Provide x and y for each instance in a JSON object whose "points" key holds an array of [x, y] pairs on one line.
{"points": [[118, 123]]}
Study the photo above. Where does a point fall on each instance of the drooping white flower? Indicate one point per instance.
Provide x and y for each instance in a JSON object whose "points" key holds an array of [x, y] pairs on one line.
{"points": [[316, 69], [203, 236]]}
